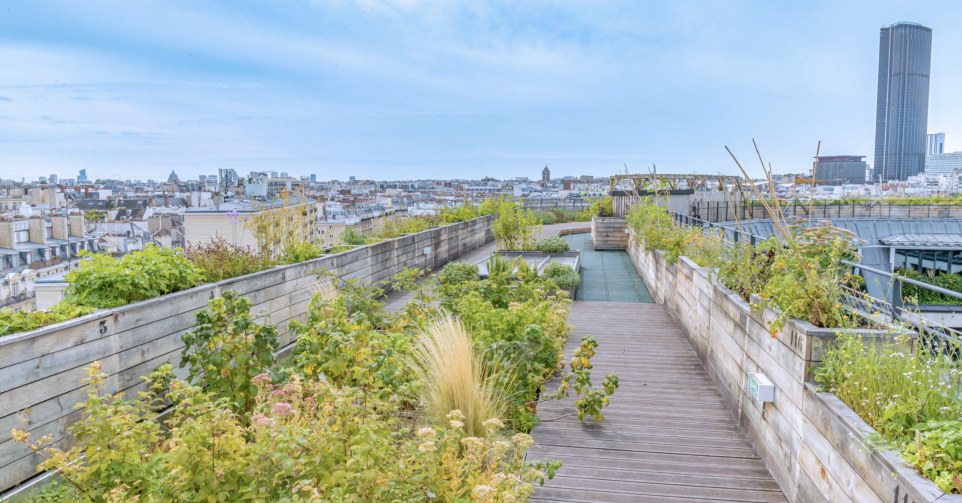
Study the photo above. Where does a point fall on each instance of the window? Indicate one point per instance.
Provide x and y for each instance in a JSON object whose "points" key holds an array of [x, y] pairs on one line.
{"points": [[929, 261]]}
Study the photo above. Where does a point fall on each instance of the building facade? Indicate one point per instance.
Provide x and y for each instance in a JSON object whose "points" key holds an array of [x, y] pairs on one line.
{"points": [[935, 144], [841, 170], [943, 164], [905, 56]]}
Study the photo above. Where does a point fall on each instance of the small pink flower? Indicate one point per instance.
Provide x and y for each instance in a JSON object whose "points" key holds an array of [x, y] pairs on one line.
{"points": [[282, 409], [262, 420], [261, 378], [278, 392]]}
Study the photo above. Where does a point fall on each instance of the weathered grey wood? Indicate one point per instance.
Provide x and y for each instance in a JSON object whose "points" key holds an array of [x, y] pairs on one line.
{"points": [[608, 233], [667, 433], [809, 441]]}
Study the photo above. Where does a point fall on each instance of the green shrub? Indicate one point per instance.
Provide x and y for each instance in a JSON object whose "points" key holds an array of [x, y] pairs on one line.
{"points": [[912, 293], [105, 282], [228, 349], [301, 252], [603, 207], [352, 237], [219, 260], [12, 322], [562, 275], [55, 492], [656, 230], [553, 244], [456, 273], [516, 228]]}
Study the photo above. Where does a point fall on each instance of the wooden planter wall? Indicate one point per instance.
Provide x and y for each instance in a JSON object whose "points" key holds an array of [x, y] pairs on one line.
{"points": [[608, 233], [810, 441], [42, 370]]}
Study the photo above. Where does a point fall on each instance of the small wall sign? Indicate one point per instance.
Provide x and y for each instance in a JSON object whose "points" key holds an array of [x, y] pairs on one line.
{"points": [[761, 387]]}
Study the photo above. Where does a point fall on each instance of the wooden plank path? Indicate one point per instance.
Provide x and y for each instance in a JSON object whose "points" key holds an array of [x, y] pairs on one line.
{"points": [[667, 436]]}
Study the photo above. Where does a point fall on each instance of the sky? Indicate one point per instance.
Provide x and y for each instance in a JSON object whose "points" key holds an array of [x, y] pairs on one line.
{"points": [[409, 89]]}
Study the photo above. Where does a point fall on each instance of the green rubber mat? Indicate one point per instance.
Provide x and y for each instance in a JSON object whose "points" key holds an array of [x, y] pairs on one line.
{"points": [[607, 276]]}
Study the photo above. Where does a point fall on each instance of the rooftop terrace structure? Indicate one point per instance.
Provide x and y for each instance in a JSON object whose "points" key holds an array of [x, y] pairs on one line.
{"points": [[688, 422]]}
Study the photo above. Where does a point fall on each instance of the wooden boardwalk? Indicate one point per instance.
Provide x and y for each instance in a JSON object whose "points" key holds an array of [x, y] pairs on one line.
{"points": [[667, 436]]}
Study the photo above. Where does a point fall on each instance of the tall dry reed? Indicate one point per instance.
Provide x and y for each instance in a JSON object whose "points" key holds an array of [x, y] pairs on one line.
{"points": [[453, 377]]}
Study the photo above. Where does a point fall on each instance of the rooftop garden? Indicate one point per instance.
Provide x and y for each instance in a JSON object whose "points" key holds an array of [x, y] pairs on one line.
{"points": [[104, 282], [910, 398], [432, 403]]}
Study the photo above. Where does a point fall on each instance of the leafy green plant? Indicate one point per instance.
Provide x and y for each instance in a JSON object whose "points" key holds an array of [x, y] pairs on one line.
{"points": [[227, 349], [55, 492], [350, 351], [105, 282], [12, 322], [219, 260], [746, 269], [300, 252], [562, 275], [602, 207], [111, 435], [516, 229], [456, 273], [808, 278], [553, 244], [912, 293], [655, 229], [353, 237], [579, 379], [937, 453]]}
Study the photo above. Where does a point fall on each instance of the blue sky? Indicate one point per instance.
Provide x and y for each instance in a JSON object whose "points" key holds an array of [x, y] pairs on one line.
{"points": [[403, 89]]}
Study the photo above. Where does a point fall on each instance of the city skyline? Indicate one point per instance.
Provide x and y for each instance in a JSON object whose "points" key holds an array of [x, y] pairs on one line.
{"points": [[433, 90]]}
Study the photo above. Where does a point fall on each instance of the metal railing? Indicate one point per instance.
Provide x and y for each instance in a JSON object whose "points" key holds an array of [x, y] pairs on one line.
{"points": [[20, 298], [730, 234], [896, 313]]}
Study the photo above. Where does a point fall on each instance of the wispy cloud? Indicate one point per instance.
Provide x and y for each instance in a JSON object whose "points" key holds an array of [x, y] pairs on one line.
{"points": [[381, 88]]}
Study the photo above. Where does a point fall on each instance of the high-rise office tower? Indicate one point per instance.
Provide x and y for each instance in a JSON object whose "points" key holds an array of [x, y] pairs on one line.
{"points": [[935, 144], [905, 56]]}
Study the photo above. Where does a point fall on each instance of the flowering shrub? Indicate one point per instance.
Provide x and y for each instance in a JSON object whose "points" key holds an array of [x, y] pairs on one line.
{"points": [[306, 441], [105, 282], [394, 228], [352, 237], [911, 399], [219, 260]]}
